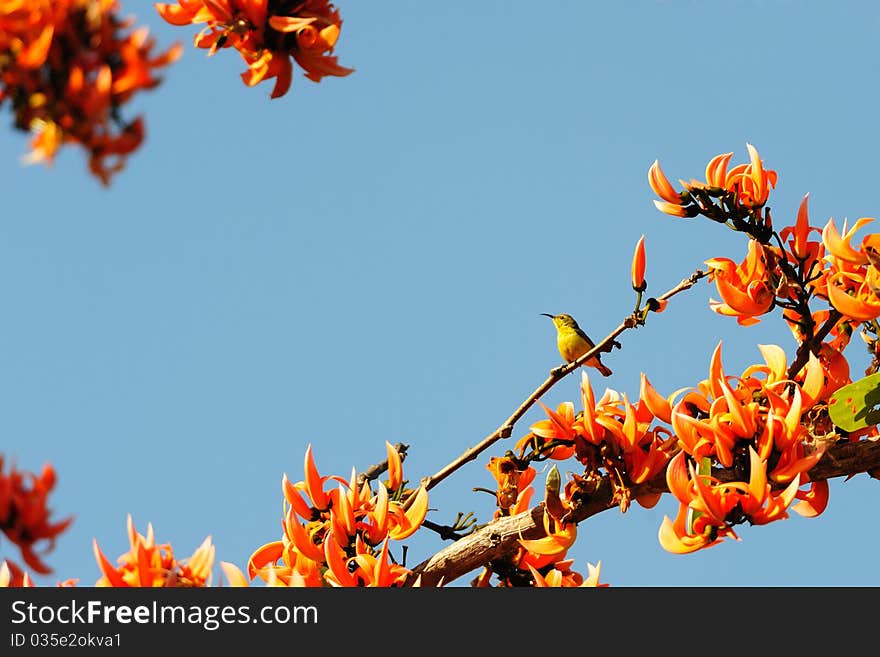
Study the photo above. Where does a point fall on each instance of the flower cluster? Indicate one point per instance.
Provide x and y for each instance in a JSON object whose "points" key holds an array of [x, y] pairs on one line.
{"points": [[744, 189], [764, 429], [67, 68], [337, 537], [146, 564], [789, 268], [25, 516], [851, 278], [340, 537], [762, 426], [537, 562], [610, 436], [789, 276], [151, 564], [269, 35]]}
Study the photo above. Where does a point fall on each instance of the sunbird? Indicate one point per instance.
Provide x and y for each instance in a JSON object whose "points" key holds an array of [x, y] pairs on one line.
{"points": [[573, 342]]}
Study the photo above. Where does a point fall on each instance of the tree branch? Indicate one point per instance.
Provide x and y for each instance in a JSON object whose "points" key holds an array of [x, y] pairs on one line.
{"points": [[500, 537]]}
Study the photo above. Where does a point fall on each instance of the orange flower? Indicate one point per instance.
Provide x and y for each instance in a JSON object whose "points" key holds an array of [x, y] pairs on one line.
{"points": [[233, 574], [761, 415], [11, 576], [749, 183], [561, 575], [674, 537], [723, 195], [638, 266], [561, 425], [746, 289], [365, 568], [752, 182], [640, 444], [24, 514], [673, 202], [395, 467], [716, 506], [610, 434], [768, 412], [506, 473], [68, 67], [649, 398], [147, 564], [559, 538], [853, 297], [305, 32], [839, 247], [798, 237], [351, 517], [852, 281]]}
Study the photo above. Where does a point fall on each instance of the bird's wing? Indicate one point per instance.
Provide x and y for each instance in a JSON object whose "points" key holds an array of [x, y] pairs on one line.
{"points": [[585, 337]]}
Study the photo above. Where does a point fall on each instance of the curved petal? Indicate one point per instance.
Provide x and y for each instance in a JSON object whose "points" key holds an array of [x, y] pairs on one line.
{"points": [[265, 555], [314, 482], [839, 246], [411, 520], [654, 402], [662, 187], [813, 501], [395, 467], [233, 574], [862, 310]]}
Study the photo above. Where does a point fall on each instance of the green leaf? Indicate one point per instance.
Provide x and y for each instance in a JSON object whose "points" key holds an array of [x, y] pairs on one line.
{"points": [[704, 469], [857, 405]]}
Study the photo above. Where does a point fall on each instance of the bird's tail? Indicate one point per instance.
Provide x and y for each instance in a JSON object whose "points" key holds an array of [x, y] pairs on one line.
{"points": [[603, 369]]}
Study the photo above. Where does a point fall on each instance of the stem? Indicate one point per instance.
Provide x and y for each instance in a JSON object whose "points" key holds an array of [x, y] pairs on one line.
{"points": [[812, 345], [639, 294]]}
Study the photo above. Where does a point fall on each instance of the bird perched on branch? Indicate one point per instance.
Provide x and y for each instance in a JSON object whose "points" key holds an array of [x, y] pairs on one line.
{"points": [[574, 343]]}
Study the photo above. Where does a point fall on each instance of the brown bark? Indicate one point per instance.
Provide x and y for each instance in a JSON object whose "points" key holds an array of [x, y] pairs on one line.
{"points": [[500, 537]]}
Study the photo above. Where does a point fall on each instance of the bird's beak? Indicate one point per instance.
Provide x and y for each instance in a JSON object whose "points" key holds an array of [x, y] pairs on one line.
{"points": [[547, 315]]}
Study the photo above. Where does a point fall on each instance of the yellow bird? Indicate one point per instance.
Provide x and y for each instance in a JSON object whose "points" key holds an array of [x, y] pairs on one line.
{"points": [[573, 342]]}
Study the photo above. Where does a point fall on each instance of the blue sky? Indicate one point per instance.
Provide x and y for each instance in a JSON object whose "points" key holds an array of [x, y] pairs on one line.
{"points": [[365, 259]]}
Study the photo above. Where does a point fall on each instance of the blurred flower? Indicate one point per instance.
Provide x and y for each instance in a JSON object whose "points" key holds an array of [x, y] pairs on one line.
{"points": [[68, 67], [24, 514], [11, 576], [267, 35]]}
